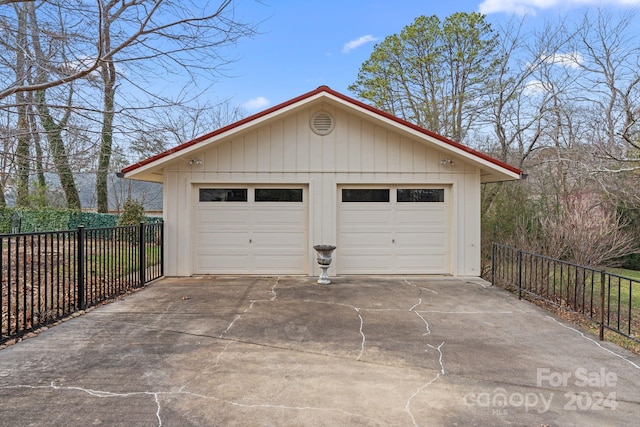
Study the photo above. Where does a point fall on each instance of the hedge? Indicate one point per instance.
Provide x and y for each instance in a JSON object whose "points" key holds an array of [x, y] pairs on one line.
{"points": [[14, 220]]}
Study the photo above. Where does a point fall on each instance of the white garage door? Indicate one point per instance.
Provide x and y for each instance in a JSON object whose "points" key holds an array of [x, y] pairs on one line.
{"points": [[250, 230], [393, 230]]}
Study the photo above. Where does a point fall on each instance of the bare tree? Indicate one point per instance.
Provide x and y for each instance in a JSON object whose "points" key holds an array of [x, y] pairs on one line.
{"points": [[611, 93], [53, 128], [586, 231], [565, 109], [519, 101], [185, 34], [73, 49]]}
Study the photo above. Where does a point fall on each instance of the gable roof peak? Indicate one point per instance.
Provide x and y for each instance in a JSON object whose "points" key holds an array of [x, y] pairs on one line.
{"points": [[344, 99]]}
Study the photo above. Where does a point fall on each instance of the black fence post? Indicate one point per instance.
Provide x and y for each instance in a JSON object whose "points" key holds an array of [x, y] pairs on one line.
{"points": [[142, 259], [602, 282], [162, 248], [2, 313], [493, 264], [519, 274], [80, 288]]}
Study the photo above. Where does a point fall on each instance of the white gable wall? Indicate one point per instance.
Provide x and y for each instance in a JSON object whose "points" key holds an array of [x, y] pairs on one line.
{"points": [[358, 151]]}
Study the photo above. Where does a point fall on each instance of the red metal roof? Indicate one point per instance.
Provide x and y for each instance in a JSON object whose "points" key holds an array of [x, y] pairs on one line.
{"points": [[341, 96]]}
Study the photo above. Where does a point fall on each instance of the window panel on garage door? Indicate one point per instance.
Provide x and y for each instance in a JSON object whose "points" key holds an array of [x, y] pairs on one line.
{"points": [[278, 195], [424, 195], [223, 194], [365, 195]]}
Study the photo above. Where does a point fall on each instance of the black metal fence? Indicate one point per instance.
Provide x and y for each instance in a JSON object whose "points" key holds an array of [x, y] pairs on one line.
{"points": [[48, 276], [605, 298]]}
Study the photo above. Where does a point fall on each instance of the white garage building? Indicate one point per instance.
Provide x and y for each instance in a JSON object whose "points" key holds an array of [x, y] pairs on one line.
{"points": [[254, 197]]}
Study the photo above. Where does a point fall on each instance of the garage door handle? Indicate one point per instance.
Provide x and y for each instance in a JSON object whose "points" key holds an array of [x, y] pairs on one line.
{"points": [[250, 240], [393, 240]]}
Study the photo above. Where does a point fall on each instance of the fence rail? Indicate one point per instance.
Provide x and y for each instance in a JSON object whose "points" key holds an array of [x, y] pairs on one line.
{"points": [[605, 298], [49, 275]]}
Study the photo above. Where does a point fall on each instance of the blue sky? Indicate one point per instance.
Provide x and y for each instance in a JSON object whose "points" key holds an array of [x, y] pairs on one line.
{"points": [[303, 44]]}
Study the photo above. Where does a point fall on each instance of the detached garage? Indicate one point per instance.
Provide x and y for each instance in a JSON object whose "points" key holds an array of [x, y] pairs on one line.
{"points": [[254, 197]]}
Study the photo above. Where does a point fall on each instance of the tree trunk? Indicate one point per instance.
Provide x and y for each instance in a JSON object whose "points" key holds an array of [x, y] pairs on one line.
{"points": [[104, 159], [108, 73], [53, 130], [41, 186], [23, 148], [58, 150]]}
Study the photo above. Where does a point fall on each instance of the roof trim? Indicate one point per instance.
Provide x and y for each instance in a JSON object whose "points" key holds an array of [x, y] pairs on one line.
{"points": [[340, 96]]}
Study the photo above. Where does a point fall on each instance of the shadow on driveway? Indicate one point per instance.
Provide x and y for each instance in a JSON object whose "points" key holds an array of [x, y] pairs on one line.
{"points": [[285, 351]]}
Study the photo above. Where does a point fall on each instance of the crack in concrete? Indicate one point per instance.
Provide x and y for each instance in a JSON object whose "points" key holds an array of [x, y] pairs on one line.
{"points": [[357, 310], [273, 406], [466, 312], [97, 393], [407, 407], [364, 338], [635, 365], [408, 283], [159, 408], [181, 391], [426, 324], [252, 302], [273, 290], [238, 318], [482, 283], [421, 316], [228, 328], [439, 349]]}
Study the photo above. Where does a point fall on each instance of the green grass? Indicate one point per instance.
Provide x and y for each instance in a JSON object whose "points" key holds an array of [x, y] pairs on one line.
{"points": [[635, 288], [125, 262], [634, 274]]}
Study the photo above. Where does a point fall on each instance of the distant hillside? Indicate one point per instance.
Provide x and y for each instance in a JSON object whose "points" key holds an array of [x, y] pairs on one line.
{"points": [[120, 189], [149, 193]]}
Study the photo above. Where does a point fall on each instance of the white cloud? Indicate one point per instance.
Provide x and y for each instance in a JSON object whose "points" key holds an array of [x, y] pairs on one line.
{"points": [[531, 7], [571, 60], [534, 87], [353, 44], [256, 103]]}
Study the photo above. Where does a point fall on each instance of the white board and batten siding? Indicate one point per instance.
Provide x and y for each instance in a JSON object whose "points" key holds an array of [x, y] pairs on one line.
{"points": [[394, 238]]}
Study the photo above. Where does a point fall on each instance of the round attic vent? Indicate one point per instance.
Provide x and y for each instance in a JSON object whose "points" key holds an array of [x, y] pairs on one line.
{"points": [[322, 123]]}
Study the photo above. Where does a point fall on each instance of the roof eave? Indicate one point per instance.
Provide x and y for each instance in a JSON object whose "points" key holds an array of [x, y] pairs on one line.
{"points": [[494, 176]]}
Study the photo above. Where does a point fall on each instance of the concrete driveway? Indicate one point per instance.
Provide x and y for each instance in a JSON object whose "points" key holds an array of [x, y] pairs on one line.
{"points": [[285, 351]]}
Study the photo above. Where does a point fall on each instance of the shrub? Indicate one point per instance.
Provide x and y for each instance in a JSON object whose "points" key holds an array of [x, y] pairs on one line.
{"points": [[132, 213]]}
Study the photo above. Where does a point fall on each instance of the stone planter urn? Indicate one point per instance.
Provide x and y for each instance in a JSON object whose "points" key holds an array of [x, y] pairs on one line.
{"points": [[324, 261]]}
